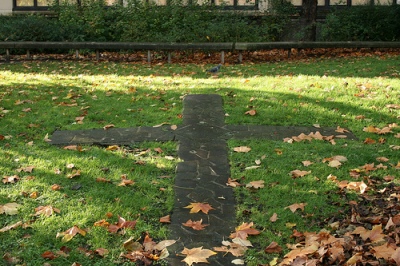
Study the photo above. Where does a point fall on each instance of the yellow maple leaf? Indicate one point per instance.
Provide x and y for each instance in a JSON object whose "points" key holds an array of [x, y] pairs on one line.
{"points": [[196, 255]]}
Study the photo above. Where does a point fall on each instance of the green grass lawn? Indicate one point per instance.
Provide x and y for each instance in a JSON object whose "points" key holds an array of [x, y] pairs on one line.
{"points": [[92, 183]]}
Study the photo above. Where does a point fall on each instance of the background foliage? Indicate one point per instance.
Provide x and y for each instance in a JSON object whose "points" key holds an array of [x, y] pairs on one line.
{"points": [[140, 21]]}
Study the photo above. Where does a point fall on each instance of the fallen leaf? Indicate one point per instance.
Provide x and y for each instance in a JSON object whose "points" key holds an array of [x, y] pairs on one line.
{"points": [[299, 173], [251, 112], [335, 164], [296, 206], [70, 233], [10, 179], [27, 169], [244, 230], [256, 184], [274, 218], [233, 183], [46, 210], [165, 219], [273, 248], [197, 206], [196, 255], [9, 208], [307, 163], [196, 225], [242, 149], [101, 252], [108, 126], [9, 227]]}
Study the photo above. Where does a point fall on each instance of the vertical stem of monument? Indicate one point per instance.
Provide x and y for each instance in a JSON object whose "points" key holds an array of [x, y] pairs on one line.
{"points": [[202, 176]]}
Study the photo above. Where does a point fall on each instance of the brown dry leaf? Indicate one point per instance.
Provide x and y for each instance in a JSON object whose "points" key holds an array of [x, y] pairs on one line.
{"points": [[273, 248], [49, 255], [274, 218], [335, 164], [9, 227], [112, 148], [251, 112], [196, 225], [125, 182], [10, 179], [55, 187], [341, 130], [27, 169], [396, 256], [101, 252], [307, 163], [73, 148], [244, 230], [196, 255], [233, 183], [242, 149], [256, 184], [382, 159], [70, 233], [237, 248], [384, 251], [371, 129], [74, 173], [299, 173], [108, 126], [165, 219], [9, 208], [46, 210], [369, 141], [198, 206], [121, 224], [296, 206]]}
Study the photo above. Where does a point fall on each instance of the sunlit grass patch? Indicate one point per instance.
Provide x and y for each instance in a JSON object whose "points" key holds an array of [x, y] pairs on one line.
{"points": [[136, 182]]}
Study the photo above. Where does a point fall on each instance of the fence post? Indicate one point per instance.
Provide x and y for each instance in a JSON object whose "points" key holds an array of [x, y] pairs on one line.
{"points": [[222, 57], [97, 55], [240, 57], [148, 56], [169, 57], [77, 54], [7, 55], [28, 54]]}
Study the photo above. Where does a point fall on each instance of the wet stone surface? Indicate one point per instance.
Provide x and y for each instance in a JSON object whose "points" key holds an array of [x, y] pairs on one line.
{"points": [[204, 170]]}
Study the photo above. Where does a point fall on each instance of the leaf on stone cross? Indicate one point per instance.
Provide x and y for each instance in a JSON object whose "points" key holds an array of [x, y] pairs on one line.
{"points": [[196, 255], [341, 130], [9, 208], [165, 219], [196, 225], [273, 248], [70, 233], [294, 207], [236, 249], [299, 173], [198, 206], [252, 112], [256, 184], [243, 230], [46, 210], [242, 149]]}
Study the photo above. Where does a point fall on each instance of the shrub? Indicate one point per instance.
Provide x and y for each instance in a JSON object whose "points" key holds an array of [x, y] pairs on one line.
{"points": [[362, 23]]}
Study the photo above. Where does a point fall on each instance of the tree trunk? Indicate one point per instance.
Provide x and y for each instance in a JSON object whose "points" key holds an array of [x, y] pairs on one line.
{"points": [[310, 19]]}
